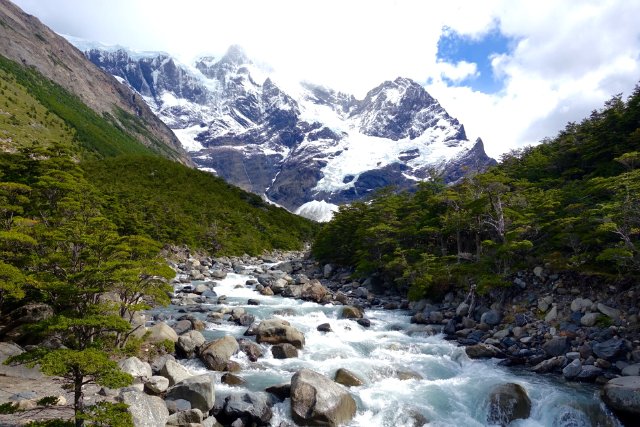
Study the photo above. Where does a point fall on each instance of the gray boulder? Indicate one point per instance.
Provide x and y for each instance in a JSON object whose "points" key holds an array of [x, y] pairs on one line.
{"points": [[350, 312], [313, 291], [481, 351], [609, 349], [588, 373], [316, 400], [174, 372], [347, 378], [556, 346], [550, 365], [184, 418], [572, 369], [216, 354], [581, 304], [491, 317], [250, 408], [462, 309], [157, 384], [189, 343], [611, 312], [589, 319], [284, 351], [199, 390], [147, 411], [508, 402], [161, 332], [135, 367], [631, 370], [623, 395], [251, 349], [276, 331]]}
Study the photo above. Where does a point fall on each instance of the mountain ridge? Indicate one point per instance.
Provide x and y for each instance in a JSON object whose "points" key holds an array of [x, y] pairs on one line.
{"points": [[296, 146], [26, 41]]}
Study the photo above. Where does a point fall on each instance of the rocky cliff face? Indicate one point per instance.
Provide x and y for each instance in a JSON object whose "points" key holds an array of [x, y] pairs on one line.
{"points": [[302, 145], [24, 39]]}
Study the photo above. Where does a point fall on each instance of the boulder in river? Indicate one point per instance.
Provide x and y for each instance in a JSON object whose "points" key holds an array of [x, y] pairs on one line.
{"points": [[284, 351], [351, 312], [480, 351], [250, 408], [316, 400], [324, 327], [313, 291], [280, 391], [508, 402], [199, 390], [347, 378], [623, 395], [277, 331], [174, 372], [216, 354], [189, 343], [251, 349]]}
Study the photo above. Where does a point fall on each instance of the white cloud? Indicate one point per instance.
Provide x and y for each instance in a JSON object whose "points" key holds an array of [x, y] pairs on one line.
{"points": [[569, 55], [459, 71]]}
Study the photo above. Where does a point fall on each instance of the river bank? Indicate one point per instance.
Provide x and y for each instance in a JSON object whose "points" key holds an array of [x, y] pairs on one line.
{"points": [[244, 331]]}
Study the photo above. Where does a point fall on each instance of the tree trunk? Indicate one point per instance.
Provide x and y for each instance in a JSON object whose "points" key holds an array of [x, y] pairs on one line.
{"points": [[78, 398]]}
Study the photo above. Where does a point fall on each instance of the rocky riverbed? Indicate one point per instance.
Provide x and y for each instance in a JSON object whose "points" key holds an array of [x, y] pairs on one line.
{"points": [[279, 340]]}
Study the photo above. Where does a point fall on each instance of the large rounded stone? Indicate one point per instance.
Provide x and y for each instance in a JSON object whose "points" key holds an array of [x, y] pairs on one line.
{"points": [[481, 351], [609, 349], [174, 372], [199, 390], [491, 317], [216, 354], [251, 408], [316, 400], [284, 351], [348, 378], [161, 332], [556, 346], [185, 418], [313, 291], [508, 402], [276, 331], [351, 312], [589, 319], [157, 384], [623, 395], [189, 344], [251, 349], [147, 411], [135, 367]]}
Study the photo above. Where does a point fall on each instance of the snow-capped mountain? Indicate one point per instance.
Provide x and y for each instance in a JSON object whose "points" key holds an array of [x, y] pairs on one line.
{"points": [[308, 148]]}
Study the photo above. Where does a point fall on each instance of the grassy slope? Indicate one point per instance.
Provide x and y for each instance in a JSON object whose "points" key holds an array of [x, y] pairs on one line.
{"points": [[94, 134], [24, 120], [143, 193], [173, 203]]}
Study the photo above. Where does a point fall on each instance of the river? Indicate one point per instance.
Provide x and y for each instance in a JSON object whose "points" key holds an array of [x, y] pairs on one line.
{"points": [[442, 385]]}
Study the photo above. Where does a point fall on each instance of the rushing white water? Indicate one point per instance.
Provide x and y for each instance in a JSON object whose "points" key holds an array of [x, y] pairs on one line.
{"points": [[445, 387]]}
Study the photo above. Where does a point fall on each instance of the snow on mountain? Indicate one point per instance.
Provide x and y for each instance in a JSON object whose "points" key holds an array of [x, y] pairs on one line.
{"points": [[307, 148], [317, 210]]}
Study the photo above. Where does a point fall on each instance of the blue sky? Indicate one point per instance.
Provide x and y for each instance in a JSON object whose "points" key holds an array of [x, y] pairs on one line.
{"points": [[454, 47]]}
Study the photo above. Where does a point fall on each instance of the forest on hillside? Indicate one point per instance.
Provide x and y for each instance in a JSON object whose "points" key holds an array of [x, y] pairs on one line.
{"points": [[572, 202]]}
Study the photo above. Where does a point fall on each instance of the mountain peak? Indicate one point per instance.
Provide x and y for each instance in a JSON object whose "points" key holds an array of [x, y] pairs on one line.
{"points": [[235, 55]]}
